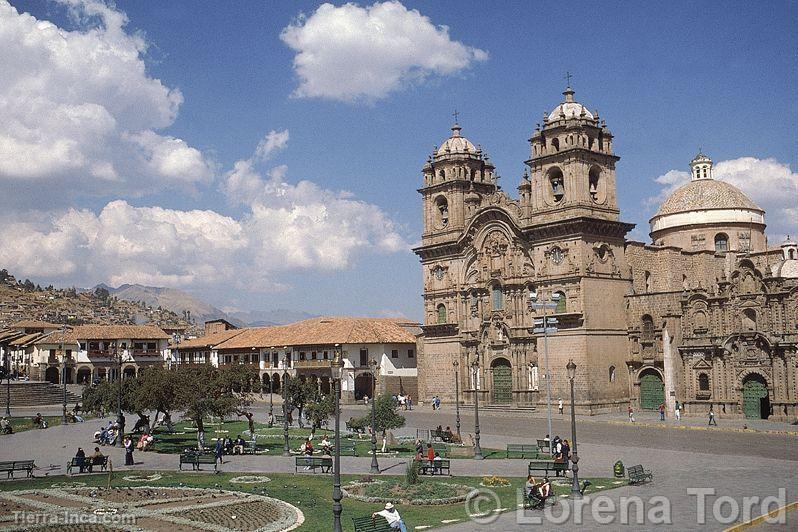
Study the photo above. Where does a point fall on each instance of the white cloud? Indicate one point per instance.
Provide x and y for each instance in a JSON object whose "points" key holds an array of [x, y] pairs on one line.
{"points": [[770, 183], [364, 53], [273, 142], [78, 110], [284, 227]]}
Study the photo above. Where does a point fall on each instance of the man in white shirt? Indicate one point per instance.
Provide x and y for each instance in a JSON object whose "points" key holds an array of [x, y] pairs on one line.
{"points": [[392, 516]]}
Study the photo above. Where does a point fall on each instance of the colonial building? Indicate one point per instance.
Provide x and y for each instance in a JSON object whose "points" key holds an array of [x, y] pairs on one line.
{"points": [[626, 311], [305, 350]]}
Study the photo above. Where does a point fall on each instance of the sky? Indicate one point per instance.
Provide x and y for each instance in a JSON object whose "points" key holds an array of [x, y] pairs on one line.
{"points": [[266, 155]]}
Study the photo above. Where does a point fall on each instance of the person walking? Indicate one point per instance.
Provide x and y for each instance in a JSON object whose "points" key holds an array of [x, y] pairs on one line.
{"points": [[409, 402], [129, 448], [712, 416], [559, 405], [662, 411], [678, 411], [392, 516], [631, 414], [219, 450]]}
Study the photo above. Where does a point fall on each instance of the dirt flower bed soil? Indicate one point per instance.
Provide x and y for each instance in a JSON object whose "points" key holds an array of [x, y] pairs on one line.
{"points": [[417, 494]]}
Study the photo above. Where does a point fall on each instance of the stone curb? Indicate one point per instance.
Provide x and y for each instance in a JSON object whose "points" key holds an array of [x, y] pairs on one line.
{"points": [[760, 519], [698, 427]]}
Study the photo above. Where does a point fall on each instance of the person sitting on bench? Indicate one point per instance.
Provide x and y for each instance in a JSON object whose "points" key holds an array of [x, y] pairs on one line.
{"points": [[436, 463], [5, 426], [238, 446], [392, 516]]}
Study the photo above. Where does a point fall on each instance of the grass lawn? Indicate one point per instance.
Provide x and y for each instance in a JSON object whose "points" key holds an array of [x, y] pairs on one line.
{"points": [[310, 493], [270, 440], [21, 424]]}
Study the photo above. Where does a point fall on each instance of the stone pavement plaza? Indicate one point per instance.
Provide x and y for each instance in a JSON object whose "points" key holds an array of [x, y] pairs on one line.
{"points": [[729, 461]]}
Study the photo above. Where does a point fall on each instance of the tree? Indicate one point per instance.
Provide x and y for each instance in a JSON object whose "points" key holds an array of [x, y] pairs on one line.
{"points": [[105, 396], [385, 415], [319, 409], [299, 393], [157, 392]]}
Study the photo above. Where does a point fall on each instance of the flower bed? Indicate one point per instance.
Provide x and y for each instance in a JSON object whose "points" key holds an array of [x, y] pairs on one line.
{"points": [[424, 493]]}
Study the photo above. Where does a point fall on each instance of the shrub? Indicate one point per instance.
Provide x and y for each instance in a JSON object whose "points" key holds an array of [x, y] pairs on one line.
{"points": [[411, 474]]}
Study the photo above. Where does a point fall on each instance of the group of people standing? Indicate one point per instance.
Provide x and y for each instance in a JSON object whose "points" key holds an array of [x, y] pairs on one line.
{"points": [[560, 451]]}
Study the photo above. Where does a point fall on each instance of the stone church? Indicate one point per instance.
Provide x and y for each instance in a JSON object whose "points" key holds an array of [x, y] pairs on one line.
{"points": [[705, 314]]}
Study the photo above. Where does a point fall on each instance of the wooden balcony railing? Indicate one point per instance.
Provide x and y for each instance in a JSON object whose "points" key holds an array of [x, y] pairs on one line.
{"points": [[306, 364]]}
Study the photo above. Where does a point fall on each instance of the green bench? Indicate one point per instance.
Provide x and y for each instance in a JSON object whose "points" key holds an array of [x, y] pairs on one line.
{"points": [[88, 464], [544, 446], [430, 467], [545, 466], [441, 435], [348, 447], [522, 451], [368, 523], [638, 475], [17, 465], [441, 449], [196, 459], [312, 462], [250, 447]]}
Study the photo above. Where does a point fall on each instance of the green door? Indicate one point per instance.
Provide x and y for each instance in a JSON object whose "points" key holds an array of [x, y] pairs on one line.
{"points": [[754, 391], [652, 391], [502, 384]]}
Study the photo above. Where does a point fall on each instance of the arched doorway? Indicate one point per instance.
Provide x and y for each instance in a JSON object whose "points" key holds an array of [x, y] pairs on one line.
{"points": [[364, 383], [84, 375], [266, 383], [502, 381], [652, 390], [325, 384], [129, 372], [51, 375], [756, 404], [68, 372]]}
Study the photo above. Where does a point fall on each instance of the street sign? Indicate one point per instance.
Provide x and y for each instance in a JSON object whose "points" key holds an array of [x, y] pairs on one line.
{"points": [[539, 306], [549, 321], [548, 330]]}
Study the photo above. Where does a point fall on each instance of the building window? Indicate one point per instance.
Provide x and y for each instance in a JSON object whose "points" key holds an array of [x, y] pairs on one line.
{"points": [[703, 382], [443, 211], [557, 183], [411, 353], [562, 303], [441, 314], [647, 277], [647, 328], [749, 319], [498, 297], [394, 353], [612, 374], [721, 242]]}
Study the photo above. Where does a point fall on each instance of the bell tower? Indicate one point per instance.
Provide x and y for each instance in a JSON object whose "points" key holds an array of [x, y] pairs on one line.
{"points": [[572, 165], [456, 176]]}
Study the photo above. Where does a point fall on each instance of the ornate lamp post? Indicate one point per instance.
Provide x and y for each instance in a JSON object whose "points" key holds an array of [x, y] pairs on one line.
{"points": [[545, 326], [571, 368], [271, 389], [8, 381], [120, 418], [337, 369], [63, 374], [286, 448], [456, 396], [375, 467], [475, 369]]}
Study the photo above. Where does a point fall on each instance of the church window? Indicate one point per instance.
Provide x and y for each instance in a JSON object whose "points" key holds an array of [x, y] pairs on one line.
{"points": [[647, 328], [555, 144], [534, 379], [442, 175], [497, 297], [441, 313], [721, 242], [443, 211], [684, 282], [612, 374], [593, 182], [557, 183], [703, 382], [791, 254], [647, 277], [749, 319], [562, 303]]}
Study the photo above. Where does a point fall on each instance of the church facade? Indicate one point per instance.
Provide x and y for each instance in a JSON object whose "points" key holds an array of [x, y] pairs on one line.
{"points": [[705, 314]]}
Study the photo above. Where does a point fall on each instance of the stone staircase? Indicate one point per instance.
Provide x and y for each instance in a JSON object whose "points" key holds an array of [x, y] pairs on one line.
{"points": [[34, 393]]}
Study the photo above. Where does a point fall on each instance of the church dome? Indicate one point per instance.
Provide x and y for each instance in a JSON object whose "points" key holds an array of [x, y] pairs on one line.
{"points": [[569, 108], [456, 144], [706, 194]]}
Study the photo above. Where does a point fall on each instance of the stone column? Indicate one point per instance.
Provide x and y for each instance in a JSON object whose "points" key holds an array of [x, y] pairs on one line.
{"points": [[668, 371]]}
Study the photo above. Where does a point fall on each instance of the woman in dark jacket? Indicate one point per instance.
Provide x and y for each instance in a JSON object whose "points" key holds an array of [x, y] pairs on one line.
{"points": [[566, 454]]}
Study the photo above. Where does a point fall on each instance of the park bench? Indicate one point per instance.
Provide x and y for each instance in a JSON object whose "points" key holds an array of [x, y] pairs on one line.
{"points": [[195, 459], [312, 462], [441, 435], [250, 447], [522, 450], [348, 447], [545, 466], [638, 475], [88, 464], [17, 465], [368, 523], [279, 419], [441, 449], [544, 446], [430, 467]]}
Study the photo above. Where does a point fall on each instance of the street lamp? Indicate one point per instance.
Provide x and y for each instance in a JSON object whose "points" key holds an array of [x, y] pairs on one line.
{"points": [[571, 368], [286, 448], [8, 380], [63, 373], [545, 326], [120, 419], [475, 369], [456, 397], [271, 389], [375, 467], [337, 370]]}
